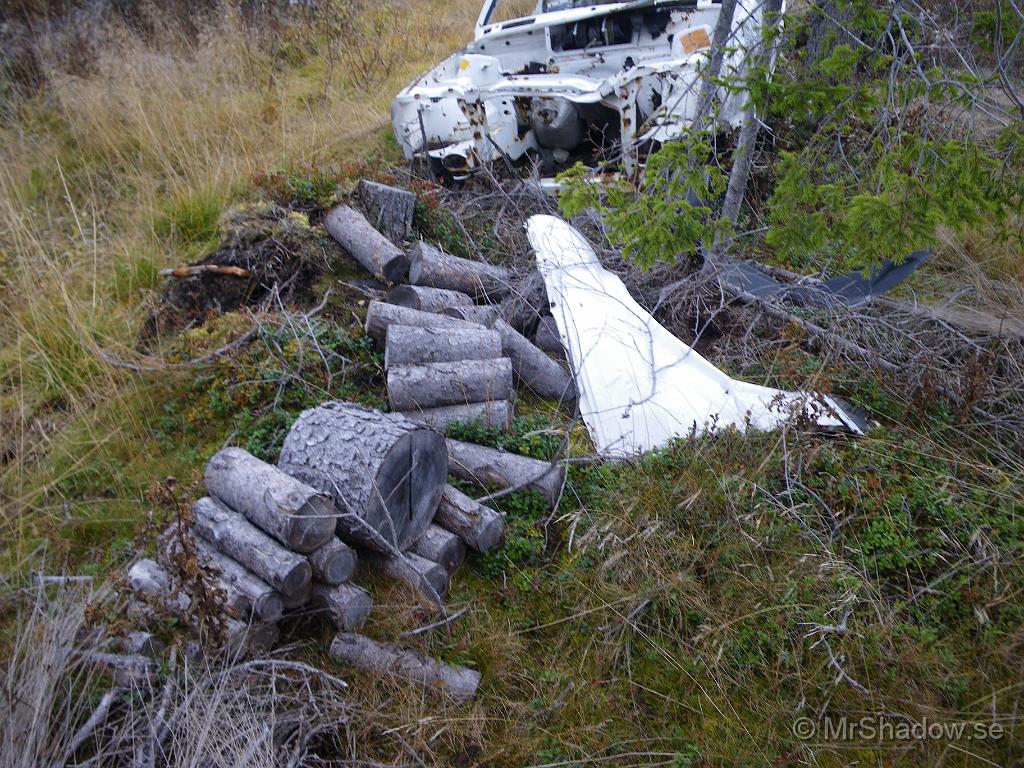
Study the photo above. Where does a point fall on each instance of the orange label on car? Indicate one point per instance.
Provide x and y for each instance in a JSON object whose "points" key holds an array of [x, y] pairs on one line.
{"points": [[695, 40]]}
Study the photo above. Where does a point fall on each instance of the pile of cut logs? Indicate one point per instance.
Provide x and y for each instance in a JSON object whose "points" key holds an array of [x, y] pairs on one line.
{"points": [[357, 489]]}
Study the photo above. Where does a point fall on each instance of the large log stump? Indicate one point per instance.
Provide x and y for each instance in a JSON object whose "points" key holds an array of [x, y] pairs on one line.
{"points": [[534, 368], [432, 267], [384, 472], [386, 659], [426, 299], [380, 315], [488, 467], [381, 258], [293, 513], [493, 414], [480, 527], [407, 345], [237, 538], [390, 208], [452, 383]]}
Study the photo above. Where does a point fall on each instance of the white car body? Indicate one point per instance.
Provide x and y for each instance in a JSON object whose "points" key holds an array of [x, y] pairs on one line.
{"points": [[606, 81]]}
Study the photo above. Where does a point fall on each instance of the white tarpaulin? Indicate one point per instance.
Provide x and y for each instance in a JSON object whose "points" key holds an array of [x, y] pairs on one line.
{"points": [[639, 386]]}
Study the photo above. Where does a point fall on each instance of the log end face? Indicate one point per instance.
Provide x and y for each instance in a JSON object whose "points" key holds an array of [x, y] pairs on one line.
{"points": [[297, 580], [491, 533], [268, 607], [396, 270]]}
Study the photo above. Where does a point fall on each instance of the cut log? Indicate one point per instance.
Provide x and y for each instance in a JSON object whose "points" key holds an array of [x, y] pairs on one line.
{"points": [[293, 513], [526, 304], [429, 385], [297, 599], [139, 643], [535, 370], [130, 670], [334, 562], [482, 315], [235, 602], [488, 467], [547, 338], [390, 209], [432, 267], [381, 258], [346, 604], [441, 546], [407, 345], [384, 472], [240, 540], [494, 414], [427, 576], [480, 527], [427, 299], [380, 315], [363, 653]]}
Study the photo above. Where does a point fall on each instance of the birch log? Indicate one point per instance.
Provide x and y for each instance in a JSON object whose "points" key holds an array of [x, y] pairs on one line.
{"points": [[452, 383], [488, 467], [483, 315], [237, 538], [346, 604], [334, 562], [440, 546], [408, 345], [480, 527], [491, 414], [363, 653], [432, 267], [384, 472], [381, 258], [427, 299], [427, 576], [380, 315], [390, 208], [296, 515], [534, 368]]}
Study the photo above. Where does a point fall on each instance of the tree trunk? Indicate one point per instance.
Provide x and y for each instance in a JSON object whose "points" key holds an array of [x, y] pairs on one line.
{"points": [[406, 345], [346, 604], [432, 267], [233, 535], [430, 578], [488, 467], [526, 304], [547, 337], [497, 414], [380, 315], [411, 387], [480, 527], [482, 314], [720, 43], [293, 513], [386, 659], [384, 472], [390, 209], [426, 299], [334, 562], [442, 547], [381, 258], [542, 375]]}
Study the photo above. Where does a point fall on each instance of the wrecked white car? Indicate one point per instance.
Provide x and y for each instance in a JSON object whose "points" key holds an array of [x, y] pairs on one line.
{"points": [[563, 80]]}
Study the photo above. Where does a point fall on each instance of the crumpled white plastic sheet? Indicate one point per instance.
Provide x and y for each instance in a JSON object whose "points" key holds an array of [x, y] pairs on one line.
{"points": [[639, 386]]}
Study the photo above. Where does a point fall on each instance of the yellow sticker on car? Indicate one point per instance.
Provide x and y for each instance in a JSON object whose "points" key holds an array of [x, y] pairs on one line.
{"points": [[695, 40]]}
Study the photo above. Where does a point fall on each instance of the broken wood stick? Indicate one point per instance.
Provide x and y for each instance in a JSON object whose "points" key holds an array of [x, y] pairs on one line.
{"points": [[298, 516], [390, 209], [334, 562], [450, 383], [380, 315], [346, 604], [496, 413], [363, 653], [488, 467], [192, 270], [430, 578], [427, 299], [408, 345], [440, 546], [432, 267], [381, 258], [231, 533], [482, 528], [384, 472], [534, 368]]}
